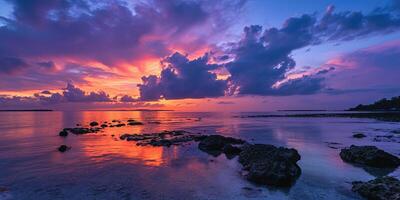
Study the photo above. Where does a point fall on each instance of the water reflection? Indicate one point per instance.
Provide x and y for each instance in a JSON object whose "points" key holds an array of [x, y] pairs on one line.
{"points": [[100, 164]]}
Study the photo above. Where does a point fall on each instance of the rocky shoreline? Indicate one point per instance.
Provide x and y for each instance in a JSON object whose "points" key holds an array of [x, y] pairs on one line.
{"points": [[263, 164]]}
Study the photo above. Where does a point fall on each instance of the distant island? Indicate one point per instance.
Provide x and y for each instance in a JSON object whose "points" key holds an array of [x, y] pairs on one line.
{"points": [[384, 104]]}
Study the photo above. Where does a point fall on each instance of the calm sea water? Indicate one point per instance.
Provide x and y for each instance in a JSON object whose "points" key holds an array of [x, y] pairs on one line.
{"points": [[99, 166]]}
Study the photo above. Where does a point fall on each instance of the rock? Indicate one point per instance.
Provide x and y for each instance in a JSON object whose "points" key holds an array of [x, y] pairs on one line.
{"points": [[370, 156], [120, 125], [130, 120], [382, 188], [134, 123], [63, 148], [267, 164], [63, 133], [165, 138], [80, 131], [359, 135], [104, 125], [217, 142], [162, 142], [231, 151], [94, 124]]}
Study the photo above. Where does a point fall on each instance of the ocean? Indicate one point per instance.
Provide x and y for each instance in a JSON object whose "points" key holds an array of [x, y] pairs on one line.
{"points": [[101, 166]]}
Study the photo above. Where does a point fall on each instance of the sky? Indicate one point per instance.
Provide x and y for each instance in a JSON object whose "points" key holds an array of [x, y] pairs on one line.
{"points": [[198, 55]]}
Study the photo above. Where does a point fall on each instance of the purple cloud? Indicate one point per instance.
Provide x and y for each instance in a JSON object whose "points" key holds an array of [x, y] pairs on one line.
{"points": [[183, 78], [127, 98], [12, 65]]}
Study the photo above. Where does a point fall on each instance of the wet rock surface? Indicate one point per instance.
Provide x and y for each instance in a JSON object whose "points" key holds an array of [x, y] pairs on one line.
{"points": [[217, 144], [63, 148], [383, 188], [94, 124], [165, 138], [81, 130], [267, 164], [134, 123], [369, 156], [63, 133], [359, 135]]}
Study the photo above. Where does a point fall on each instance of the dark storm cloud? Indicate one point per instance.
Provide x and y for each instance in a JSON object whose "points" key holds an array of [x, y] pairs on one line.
{"points": [[183, 78]]}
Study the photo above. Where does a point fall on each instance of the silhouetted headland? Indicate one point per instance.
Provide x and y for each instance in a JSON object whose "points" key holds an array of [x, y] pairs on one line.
{"points": [[384, 104]]}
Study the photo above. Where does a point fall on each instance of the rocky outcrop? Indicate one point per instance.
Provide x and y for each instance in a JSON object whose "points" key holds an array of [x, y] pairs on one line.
{"points": [[369, 156], [165, 138], [81, 130], [383, 188], [217, 142], [267, 164]]}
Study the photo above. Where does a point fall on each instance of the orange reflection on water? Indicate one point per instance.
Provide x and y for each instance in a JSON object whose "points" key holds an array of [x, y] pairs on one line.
{"points": [[101, 148]]}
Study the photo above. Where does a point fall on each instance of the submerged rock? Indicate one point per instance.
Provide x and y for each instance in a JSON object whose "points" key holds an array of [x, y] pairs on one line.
{"points": [[80, 131], [120, 125], [94, 124], [267, 164], [383, 188], [134, 123], [165, 138], [359, 135], [63, 148], [63, 133], [370, 156], [217, 142]]}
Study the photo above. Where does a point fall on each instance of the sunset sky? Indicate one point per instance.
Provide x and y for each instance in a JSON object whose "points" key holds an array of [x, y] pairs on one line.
{"points": [[198, 55]]}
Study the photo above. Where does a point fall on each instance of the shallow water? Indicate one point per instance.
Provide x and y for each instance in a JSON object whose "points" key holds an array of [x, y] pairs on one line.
{"points": [[100, 166]]}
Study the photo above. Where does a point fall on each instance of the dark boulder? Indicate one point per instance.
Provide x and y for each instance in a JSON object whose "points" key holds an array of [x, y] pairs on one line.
{"points": [[104, 125], [382, 188], [94, 124], [217, 142], [359, 135], [63, 148], [63, 133], [267, 164], [369, 156], [231, 151]]}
